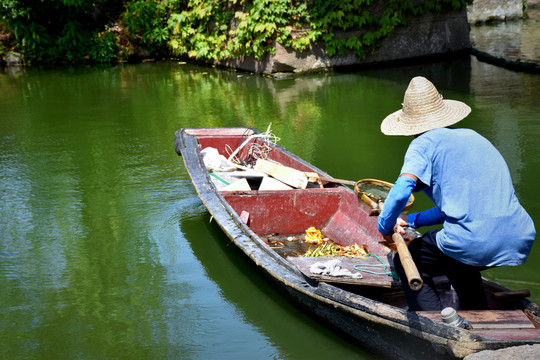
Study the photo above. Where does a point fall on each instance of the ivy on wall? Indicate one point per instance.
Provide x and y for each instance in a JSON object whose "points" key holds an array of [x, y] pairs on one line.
{"points": [[111, 30], [221, 29]]}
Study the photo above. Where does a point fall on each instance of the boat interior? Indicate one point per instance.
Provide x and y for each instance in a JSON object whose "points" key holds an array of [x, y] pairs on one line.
{"points": [[280, 217]]}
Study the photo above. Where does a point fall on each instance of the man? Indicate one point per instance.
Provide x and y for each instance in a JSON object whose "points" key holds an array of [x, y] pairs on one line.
{"points": [[468, 180]]}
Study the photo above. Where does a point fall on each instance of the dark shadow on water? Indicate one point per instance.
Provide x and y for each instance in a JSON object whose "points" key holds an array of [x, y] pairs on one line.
{"points": [[453, 74], [263, 306]]}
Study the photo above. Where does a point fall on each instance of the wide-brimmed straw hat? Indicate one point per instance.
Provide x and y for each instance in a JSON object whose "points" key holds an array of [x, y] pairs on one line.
{"points": [[423, 109]]}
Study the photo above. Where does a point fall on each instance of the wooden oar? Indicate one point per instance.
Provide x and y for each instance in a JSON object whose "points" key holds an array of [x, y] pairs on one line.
{"points": [[512, 294], [413, 276], [411, 272]]}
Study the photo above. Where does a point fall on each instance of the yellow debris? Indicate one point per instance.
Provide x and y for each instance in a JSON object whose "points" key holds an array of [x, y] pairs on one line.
{"points": [[314, 236], [330, 248], [355, 251]]}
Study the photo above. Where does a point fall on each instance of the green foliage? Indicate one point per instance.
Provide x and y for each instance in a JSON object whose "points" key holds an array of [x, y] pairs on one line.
{"points": [[220, 29], [104, 47], [201, 30], [146, 22], [204, 29], [57, 30]]}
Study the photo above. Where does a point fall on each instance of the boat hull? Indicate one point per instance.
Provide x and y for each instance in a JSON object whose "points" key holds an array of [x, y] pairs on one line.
{"points": [[388, 331]]}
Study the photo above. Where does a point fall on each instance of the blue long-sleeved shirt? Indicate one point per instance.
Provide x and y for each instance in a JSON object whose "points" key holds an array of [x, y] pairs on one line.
{"points": [[468, 180]]}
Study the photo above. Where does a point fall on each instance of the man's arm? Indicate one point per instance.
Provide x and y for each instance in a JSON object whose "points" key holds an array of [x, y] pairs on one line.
{"points": [[394, 204], [428, 217]]}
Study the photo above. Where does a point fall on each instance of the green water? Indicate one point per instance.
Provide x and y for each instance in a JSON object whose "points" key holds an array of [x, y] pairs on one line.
{"points": [[106, 251]]}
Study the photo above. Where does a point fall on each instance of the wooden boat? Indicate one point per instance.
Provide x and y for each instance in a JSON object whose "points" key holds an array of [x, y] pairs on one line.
{"points": [[269, 223]]}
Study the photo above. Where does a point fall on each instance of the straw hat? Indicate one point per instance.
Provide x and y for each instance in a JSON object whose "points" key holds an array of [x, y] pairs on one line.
{"points": [[423, 109]]}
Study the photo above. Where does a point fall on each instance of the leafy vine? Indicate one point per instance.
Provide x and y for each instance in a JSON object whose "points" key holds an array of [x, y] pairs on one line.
{"points": [[109, 30], [221, 29]]}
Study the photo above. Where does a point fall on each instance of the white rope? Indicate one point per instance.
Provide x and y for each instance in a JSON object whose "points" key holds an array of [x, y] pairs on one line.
{"points": [[267, 136]]}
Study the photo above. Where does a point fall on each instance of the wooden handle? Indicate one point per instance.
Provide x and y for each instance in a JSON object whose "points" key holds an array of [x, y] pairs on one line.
{"points": [[512, 294], [375, 209], [332, 180], [372, 204], [413, 276]]}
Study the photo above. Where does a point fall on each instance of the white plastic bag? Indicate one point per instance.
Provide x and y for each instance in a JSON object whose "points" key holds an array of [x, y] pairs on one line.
{"points": [[214, 161]]}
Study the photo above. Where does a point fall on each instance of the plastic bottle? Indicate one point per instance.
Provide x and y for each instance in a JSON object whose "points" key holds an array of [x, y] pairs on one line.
{"points": [[451, 298], [450, 316]]}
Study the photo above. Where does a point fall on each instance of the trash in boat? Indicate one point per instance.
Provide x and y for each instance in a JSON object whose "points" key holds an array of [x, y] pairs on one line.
{"points": [[332, 268], [256, 150], [214, 161], [238, 185], [269, 183], [286, 174], [330, 248], [314, 236], [255, 170]]}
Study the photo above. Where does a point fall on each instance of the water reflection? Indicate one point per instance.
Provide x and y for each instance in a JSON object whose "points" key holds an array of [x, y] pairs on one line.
{"points": [[493, 92], [292, 334], [515, 40]]}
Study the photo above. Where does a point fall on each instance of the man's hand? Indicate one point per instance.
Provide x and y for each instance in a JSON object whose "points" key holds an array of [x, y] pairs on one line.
{"points": [[400, 223]]}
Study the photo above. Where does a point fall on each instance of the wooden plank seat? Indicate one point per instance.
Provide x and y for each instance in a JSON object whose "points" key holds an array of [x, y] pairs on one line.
{"points": [[510, 334], [490, 319], [496, 324], [366, 266]]}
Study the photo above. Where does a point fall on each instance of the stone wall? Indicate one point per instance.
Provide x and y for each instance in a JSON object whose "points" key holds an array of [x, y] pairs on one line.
{"points": [[488, 10], [430, 34]]}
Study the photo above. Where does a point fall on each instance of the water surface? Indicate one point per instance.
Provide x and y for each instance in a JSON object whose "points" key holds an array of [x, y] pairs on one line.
{"points": [[106, 250]]}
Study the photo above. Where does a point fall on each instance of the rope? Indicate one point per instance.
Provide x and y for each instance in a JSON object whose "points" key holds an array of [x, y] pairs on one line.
{"points": [[257, 151], [382, 264]]}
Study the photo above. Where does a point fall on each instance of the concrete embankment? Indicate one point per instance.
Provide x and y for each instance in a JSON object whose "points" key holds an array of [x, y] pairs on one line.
{"points": [[490, 10], [429, 35], [504, 34]]}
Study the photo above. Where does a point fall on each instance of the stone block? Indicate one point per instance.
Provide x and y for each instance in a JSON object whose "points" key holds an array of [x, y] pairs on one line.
{"points": [[489, 10]]}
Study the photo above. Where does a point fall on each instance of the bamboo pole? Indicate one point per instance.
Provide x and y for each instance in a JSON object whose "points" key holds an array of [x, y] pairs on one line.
{"points": [[413, 276]]}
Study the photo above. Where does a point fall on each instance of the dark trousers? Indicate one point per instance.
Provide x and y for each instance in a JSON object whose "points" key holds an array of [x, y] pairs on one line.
{"points": [[432, 262]]}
